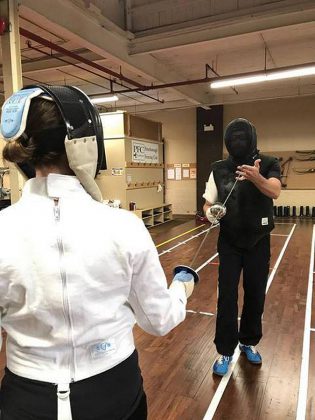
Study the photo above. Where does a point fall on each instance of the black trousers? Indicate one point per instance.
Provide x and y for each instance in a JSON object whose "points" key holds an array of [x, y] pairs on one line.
{"points": [[116, 394], [255, 265]]}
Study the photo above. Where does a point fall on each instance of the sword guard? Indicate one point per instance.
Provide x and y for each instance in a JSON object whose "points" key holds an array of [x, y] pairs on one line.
{"points": [[217, 210], [188, 270]]}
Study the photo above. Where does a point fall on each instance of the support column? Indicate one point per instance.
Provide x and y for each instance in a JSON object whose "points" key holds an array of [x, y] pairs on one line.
{"points": [[128, 15], [12, 73]]}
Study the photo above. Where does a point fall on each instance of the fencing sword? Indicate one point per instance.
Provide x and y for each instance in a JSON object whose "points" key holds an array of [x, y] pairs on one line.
{"points": [[285, 166], [301, 171], [306, 158], [305, 152], [218, 210]]}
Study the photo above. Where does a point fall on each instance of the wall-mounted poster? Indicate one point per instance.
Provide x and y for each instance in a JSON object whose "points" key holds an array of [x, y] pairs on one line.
{"points": [[117, 171], [185, 170], [178, 171], [181, 171], [145, 152], [170, 173], [193, 173]]}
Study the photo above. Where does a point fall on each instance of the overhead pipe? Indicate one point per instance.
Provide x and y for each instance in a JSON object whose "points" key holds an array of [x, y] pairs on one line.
{"points": [[91, 72], [168, 85], [55, 47], [205, 79], [212, 79], [97, 84], [139, 87]]}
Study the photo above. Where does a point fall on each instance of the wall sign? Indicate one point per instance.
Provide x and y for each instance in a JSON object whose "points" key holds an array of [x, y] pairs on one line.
{"points": [[181, 171], [185, 170], [117, 171], [143, 152], [193, 173]]}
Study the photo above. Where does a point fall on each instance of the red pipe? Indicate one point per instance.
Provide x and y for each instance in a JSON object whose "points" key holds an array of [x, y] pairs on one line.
{"points": [[212, 79], [55, 47], [116, 82], [168, 85]]}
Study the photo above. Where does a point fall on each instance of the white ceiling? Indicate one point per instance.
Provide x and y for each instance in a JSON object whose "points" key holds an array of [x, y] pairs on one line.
{"points": [[163, 41]]}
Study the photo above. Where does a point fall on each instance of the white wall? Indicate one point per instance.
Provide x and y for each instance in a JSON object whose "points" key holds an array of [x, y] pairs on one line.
{"points": [[281, 124], [179, 132]]}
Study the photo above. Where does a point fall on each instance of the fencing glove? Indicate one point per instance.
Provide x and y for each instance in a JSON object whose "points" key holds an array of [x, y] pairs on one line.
{"points": [[186, 280]]}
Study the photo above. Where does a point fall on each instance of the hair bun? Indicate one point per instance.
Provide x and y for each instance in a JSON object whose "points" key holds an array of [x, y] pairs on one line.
{"points": [[16, 152]]}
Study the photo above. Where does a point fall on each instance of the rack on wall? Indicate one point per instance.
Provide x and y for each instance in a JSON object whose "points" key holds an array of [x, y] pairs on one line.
{"points": [[135, 165], [297, 169]]}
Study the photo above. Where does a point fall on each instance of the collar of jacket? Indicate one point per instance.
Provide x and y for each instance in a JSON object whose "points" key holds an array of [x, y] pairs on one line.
{"points": [[54, 186]]}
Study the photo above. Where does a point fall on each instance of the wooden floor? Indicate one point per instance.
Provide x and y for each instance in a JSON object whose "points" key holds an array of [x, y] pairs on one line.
{"points": [[177, 369]]}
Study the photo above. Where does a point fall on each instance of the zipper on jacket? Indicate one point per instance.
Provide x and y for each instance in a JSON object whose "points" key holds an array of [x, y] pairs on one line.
{"points": [[65, 299]]}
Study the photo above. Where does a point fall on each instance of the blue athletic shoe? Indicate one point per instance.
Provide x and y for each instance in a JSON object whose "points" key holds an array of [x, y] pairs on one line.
{"points": [[251, 353], [221, 365]]}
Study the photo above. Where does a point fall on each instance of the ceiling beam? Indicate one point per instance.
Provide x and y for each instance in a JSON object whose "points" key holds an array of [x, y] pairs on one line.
{"points": [[72, 23], [238, 23]]}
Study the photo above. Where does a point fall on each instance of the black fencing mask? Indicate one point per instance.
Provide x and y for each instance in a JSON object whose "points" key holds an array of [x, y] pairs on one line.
{"points": [[241, 141]]}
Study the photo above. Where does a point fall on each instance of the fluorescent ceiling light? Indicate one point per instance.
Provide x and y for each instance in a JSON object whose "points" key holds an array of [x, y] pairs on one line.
{"points": [[104, 99], [238, 81], [286, 73]]}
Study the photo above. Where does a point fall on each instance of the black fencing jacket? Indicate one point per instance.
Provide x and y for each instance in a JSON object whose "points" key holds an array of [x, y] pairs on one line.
{"points": [[249, 215]]}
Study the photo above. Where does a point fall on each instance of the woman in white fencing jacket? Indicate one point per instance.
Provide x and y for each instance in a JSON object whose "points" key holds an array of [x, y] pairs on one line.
{"points": [[75, 274]]}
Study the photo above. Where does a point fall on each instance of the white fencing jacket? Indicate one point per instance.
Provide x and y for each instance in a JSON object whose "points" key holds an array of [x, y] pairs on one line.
{"points": [[75, 276]]}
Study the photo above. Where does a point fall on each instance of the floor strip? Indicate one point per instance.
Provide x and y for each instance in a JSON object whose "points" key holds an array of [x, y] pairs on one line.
{"points": [[225, 380], [303, 388]]}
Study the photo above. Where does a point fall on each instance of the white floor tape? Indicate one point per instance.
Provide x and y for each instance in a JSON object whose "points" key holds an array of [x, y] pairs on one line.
{"points": [[225, 380], [303, 389]]}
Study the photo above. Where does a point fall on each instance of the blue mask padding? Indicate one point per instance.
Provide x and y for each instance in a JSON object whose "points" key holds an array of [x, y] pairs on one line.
{"points": [[15, 111]]}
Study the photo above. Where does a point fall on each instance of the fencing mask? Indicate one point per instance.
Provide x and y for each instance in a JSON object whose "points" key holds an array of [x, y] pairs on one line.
{"points": [[82, 129], [241, 141]]}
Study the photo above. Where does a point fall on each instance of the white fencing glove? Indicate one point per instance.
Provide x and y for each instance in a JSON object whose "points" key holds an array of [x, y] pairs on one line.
{"points": [[186, 280]]}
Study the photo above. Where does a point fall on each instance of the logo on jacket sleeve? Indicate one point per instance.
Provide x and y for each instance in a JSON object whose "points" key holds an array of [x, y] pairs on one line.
{"points": [[264, 221], [103, 348]]}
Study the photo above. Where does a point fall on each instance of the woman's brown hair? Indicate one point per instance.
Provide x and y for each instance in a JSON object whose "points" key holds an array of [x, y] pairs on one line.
{"points": [[43, 141]]}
